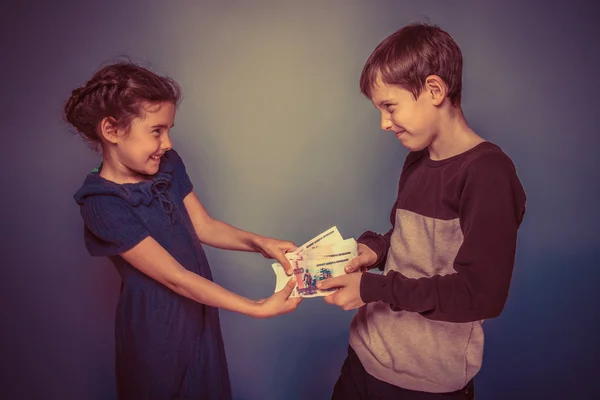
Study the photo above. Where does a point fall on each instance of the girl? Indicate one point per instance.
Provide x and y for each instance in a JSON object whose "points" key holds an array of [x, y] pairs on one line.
{"points": [[139, 210]]}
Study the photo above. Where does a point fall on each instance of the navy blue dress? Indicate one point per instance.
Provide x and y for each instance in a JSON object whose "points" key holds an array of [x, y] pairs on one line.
{"points": [[167, 346]]}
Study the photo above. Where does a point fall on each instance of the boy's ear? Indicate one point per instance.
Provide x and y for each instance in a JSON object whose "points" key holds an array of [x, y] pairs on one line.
{"points": [[109, 130], [436, 89]]}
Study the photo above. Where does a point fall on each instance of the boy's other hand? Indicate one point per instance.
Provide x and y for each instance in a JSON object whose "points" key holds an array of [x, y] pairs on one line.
{"points": [[365, 259], [348, 296]]}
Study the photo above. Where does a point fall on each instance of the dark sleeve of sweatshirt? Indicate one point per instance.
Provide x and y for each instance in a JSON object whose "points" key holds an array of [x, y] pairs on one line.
{"points": [[380, 244], [492, 206]]}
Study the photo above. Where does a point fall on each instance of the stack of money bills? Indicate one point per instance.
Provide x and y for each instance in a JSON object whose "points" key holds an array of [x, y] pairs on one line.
{"points": [[322, 257]]}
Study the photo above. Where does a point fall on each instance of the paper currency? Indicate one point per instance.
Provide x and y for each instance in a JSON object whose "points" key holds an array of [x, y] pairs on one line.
{"points": [[324, 256], [331, 235]]}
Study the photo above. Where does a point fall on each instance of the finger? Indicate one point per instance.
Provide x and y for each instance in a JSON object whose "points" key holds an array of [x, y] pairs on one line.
{"points": [[289, 247], [330, 299], [294, 302], [281, 259], [284, 263]]}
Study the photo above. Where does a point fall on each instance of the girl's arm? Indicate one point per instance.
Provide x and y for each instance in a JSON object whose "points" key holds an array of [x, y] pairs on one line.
{"points": [[218, 234], [153, 260]]}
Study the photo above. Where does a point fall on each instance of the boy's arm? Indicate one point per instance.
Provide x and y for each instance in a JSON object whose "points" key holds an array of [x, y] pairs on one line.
{"points": [[491, 209], [380, 244]]}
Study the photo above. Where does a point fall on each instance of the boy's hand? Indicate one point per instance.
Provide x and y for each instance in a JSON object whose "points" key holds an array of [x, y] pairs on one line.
{"points": [[365, 259], [279, 302], [274, 248], [348, 296]]}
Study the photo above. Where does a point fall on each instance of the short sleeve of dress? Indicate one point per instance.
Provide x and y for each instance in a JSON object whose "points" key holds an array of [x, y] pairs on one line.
{"points": [[111, 228], [181, 179]]}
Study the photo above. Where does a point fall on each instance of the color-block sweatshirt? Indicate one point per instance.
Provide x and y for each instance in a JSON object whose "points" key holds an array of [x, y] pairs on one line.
{"points": [[447, 262]]}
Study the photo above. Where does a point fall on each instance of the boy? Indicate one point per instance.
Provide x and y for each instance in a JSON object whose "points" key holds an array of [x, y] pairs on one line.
{"points": [[448, 258]]}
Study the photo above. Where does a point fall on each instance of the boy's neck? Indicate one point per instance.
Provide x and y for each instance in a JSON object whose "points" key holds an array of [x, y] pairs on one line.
{"points": [[455, 136]]}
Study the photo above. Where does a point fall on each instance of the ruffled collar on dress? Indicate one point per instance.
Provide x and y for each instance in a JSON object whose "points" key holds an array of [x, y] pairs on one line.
{"points": [[136, 194]]}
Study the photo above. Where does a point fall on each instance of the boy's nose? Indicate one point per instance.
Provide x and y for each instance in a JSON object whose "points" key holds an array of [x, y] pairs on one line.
{"points": [[386, 123]]}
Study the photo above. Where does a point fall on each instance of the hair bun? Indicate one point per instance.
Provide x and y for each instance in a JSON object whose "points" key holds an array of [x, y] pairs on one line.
{"points": [[76, 92]]}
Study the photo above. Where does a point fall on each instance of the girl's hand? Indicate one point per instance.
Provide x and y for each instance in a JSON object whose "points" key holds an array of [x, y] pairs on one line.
{"points": [[279, 303], [274, 248]]}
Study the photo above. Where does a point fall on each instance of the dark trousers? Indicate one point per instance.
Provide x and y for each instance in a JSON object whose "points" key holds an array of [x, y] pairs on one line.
{"points": [[355, 383]]}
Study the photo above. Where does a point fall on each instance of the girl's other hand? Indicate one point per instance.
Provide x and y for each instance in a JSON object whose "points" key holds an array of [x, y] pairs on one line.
{"points": [[279, 303]]}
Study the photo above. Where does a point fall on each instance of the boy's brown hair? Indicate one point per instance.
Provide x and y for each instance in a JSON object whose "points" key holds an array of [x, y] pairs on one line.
{"points": [[409, 55]]}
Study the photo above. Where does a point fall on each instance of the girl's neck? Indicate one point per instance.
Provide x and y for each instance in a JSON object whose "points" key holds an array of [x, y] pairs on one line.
{"points": [[114, 171]]}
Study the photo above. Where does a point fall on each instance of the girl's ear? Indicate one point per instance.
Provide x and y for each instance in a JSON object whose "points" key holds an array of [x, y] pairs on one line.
{"points": [[109, 130]]}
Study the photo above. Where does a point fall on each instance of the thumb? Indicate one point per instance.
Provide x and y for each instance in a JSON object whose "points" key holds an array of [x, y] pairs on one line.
{"points": [[328, 283], [356, 263], [288, 288]]}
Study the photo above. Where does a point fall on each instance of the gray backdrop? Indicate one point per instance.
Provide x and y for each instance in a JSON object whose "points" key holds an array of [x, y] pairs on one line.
{"points": [[278, 140]]}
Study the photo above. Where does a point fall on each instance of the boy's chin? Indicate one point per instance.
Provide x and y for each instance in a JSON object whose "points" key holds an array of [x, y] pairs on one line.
{"points": [[414, 146]]}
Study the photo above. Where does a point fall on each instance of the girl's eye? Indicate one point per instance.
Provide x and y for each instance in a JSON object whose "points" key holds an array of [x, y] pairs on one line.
{"points": [[389, 107]]}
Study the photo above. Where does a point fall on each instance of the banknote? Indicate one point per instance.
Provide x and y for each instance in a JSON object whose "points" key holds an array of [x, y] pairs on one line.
{"points": [[320, 258], [344, 247], [309, 272], [331, 235]]}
